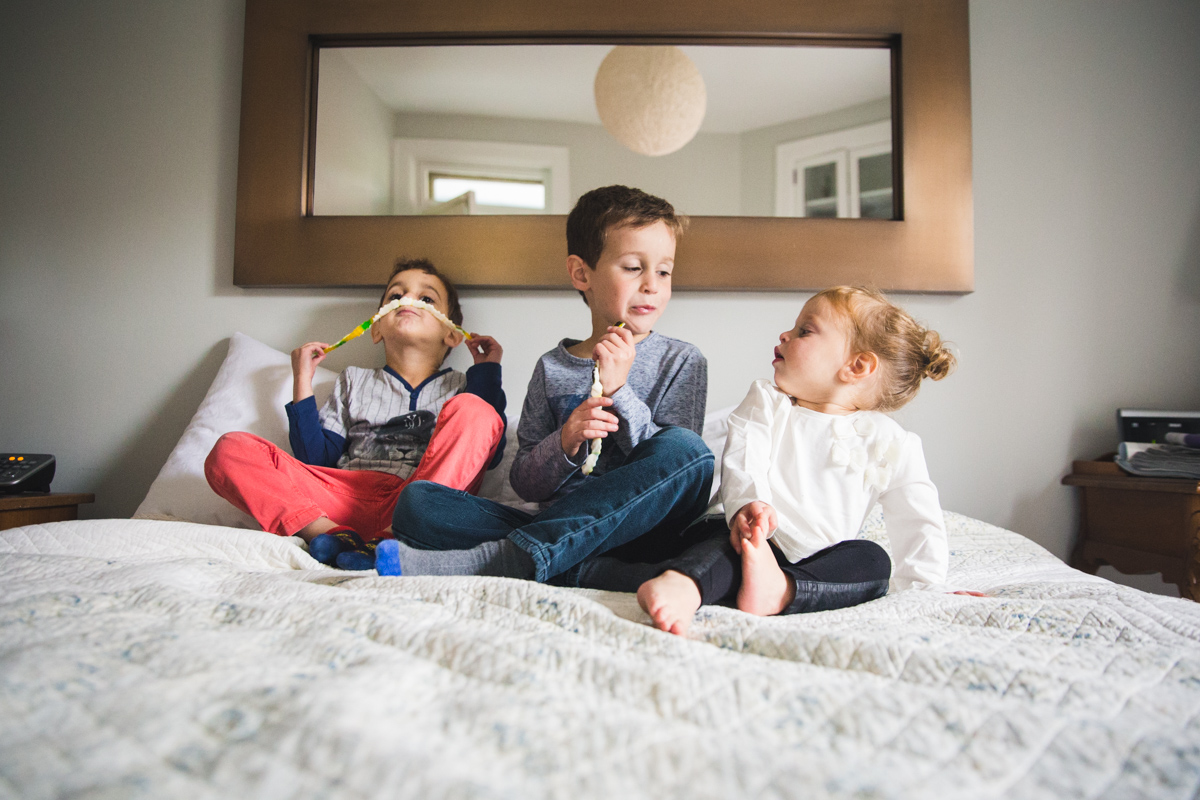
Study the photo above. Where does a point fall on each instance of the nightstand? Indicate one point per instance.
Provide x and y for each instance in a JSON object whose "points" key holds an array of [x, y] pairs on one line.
{"points": [[1138, 525], [29, 509]]}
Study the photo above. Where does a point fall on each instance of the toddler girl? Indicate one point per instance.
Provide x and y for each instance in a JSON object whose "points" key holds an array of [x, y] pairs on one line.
{"points": [[806, 459]]}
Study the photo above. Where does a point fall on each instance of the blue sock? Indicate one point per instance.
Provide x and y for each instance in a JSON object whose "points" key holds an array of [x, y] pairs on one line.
{"points": [[387, 558], [341, 546], [325, 548], [356, 560]]}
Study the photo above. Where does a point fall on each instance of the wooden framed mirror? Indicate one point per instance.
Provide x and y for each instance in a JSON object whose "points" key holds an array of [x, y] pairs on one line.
{"points": [[928, 247]]}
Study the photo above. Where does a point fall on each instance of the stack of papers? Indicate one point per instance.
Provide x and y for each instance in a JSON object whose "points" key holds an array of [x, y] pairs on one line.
{"points": [[1159, 460]]}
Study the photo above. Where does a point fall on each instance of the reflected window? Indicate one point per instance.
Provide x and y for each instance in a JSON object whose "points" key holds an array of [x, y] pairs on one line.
{"points": [[489, 191], [448, 176]]}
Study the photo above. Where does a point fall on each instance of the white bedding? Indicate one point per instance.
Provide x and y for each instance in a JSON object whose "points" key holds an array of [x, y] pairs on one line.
{"points": [[157, 659]]}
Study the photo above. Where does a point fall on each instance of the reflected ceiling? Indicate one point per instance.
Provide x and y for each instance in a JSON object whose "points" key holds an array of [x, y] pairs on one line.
{"points": [[748, 87]]}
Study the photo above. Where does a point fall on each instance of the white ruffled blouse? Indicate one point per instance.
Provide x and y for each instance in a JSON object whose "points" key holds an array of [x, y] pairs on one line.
{"points": [[823, 473]]}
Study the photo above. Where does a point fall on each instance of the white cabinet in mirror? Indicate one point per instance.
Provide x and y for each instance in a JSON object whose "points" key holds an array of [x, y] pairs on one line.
{"points": [[847, 173]]}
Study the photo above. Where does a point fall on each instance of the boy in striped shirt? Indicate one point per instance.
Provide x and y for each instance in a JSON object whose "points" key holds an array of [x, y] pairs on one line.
{"points": [[412, 419]]}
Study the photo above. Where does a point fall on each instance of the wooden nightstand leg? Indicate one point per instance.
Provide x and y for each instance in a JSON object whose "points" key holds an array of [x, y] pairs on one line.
{"points": [[1190, 585], [1078, 560]]}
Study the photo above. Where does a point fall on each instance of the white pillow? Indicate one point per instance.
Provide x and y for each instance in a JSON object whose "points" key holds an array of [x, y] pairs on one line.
{"points": [[716, 426], [248, 394]]}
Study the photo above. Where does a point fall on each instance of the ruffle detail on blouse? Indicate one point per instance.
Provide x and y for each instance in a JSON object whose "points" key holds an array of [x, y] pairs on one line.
{"points": [[849, 450]]}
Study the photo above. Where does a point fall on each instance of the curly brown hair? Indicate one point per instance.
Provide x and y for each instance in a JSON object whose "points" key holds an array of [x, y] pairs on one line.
{"points": [[908, 352]]}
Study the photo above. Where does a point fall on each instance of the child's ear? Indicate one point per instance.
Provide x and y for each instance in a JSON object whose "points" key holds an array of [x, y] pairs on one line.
{"points": [[859, 367], [580, 272], [376, 335], [452, 339]]}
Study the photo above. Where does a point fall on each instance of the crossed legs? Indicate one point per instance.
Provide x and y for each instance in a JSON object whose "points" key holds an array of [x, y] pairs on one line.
{"points": [[760, 581]]}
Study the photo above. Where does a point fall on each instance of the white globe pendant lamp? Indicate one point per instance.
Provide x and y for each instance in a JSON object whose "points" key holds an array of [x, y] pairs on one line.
{"points": [[650, 98]]}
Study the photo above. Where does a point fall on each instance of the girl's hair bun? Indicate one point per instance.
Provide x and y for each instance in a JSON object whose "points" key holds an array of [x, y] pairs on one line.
{"points": [[939, 361], [908, 352]]}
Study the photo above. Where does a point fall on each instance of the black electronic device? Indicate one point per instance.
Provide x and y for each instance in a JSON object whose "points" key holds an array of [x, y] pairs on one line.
{"points": [[25, 472], [1138, 425]]}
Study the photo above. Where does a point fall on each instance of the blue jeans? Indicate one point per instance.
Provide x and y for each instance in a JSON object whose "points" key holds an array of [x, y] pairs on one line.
{"points": [[663, 485]]}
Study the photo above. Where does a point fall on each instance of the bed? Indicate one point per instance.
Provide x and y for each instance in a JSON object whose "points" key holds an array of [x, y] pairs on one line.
{"points": [[162, 657]]}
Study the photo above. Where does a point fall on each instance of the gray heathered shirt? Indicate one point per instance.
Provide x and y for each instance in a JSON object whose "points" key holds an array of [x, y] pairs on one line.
{"points": [[667, 385]]}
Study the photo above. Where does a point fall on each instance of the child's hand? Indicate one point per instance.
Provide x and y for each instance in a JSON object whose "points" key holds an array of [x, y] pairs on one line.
{"points": [[753, 522], [304, 366], [589, 420], [484, 349], [614, 354]]}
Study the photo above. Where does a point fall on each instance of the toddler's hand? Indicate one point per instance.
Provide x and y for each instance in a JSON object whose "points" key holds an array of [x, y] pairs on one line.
{"points": [[589, 420], [753, 523], [484, 349], [304, 366], [614, 354]]}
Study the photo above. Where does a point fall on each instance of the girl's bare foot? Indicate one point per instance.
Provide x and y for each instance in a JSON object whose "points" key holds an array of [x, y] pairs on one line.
{"points": [[765, 590], [671, 600]]}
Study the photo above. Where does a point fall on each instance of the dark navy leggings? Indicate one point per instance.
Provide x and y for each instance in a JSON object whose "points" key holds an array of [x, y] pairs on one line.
{"points": [[842, 575]]}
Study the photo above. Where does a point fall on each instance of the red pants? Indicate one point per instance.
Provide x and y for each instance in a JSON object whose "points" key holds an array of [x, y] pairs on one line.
{"points": [[285, 494]]}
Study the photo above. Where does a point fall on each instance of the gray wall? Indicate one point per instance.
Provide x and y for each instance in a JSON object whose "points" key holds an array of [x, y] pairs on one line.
{"points": [[353, 172], [118, 160]]}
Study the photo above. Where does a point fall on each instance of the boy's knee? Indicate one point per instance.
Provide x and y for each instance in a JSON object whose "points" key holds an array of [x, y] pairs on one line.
{"points": [[227, 448], [233, 449], [412, 500], [684, 441], [472, 405]]}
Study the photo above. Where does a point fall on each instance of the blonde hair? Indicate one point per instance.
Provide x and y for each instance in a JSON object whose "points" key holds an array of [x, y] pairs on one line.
{"points": [[908, 353]]}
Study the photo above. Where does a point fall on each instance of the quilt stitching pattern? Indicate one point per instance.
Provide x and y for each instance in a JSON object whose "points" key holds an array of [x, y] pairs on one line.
{"points": [[150, 659]]}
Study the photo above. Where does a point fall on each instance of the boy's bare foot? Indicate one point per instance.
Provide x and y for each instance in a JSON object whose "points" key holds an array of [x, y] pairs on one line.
{"points": [[671, 600], [765, 590]]}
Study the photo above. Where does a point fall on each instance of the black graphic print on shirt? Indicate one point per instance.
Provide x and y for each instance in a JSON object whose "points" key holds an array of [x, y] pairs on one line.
{"points": [[400, 439]]}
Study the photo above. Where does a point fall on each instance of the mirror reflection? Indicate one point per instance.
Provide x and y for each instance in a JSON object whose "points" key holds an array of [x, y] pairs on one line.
{"points": [[514, 129]]}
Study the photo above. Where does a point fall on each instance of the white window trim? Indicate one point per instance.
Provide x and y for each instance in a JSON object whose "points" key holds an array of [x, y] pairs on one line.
{"points": [[819, 149], [414, 159]]}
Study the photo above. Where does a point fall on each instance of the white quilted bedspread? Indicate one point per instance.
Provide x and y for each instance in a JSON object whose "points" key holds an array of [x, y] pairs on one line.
{"points": [[166, 659]]}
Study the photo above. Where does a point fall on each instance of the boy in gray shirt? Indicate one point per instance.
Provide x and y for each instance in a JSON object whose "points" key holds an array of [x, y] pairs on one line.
{"points": [[653, 474], [666, 385]]}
